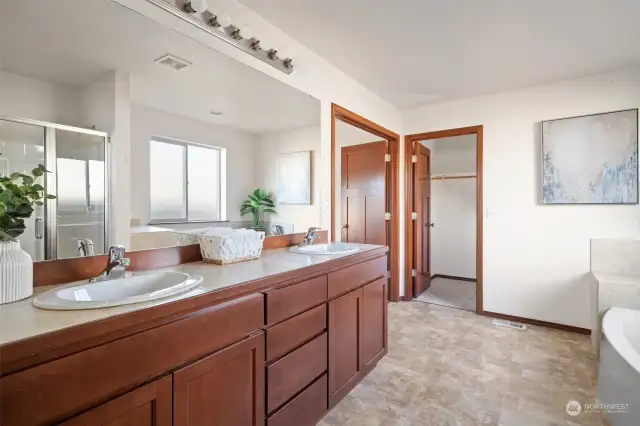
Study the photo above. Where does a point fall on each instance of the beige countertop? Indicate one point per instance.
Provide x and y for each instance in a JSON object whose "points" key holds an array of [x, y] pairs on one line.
{"points": [[21, 320]]}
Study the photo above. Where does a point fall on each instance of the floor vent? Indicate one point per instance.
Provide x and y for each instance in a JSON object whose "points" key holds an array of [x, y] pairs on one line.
{"points": [[510, 324]]}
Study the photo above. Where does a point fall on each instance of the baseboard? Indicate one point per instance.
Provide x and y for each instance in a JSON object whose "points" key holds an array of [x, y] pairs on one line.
{"points": [[452, 277], [546, 324]]}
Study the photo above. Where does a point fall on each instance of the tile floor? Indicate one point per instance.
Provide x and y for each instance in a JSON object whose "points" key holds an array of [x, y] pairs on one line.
{"points": [[454, 293], [451, 367]]}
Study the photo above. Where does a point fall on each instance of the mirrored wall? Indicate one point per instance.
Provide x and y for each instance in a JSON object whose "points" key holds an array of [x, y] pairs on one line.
{"points": [[74, 222], [141, 151]]}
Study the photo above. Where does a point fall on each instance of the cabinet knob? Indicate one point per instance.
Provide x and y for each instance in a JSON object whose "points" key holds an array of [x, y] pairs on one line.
{"points": [[345, 226], [430, 225]]}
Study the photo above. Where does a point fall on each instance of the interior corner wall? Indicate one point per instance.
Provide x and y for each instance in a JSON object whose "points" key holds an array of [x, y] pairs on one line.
{"points": [[240, 150], [536, 257], [107, 106], [24, 97]]}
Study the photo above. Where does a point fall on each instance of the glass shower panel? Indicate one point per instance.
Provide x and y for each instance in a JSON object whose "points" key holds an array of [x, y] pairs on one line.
{"points": [[21, 150], [81, 194]]}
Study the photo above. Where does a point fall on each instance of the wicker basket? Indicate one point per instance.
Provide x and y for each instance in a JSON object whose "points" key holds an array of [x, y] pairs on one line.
{"points": [[231, 247]]}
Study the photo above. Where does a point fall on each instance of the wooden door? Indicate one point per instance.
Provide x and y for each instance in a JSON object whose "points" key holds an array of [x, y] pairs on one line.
{"points": [[422, 225], [223, 389], [363, 193], [374, 323], [149, 405], [345, 341]]}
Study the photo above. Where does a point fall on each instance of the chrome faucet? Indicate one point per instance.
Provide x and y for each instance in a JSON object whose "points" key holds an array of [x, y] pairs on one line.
{"points": [[311, 235], [116, 267]]}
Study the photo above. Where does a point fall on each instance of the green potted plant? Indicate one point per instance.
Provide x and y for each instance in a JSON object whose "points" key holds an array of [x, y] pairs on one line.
{"points": [[258, 201], [18, 194]]}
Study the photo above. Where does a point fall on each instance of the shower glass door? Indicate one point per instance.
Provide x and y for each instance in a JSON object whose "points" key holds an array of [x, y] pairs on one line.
{"points": [[76, 161], [22, 148], [80, 171]]}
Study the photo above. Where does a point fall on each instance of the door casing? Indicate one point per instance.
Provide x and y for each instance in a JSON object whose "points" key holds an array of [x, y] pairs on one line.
{"points": [[409, 143], [393, 182]]}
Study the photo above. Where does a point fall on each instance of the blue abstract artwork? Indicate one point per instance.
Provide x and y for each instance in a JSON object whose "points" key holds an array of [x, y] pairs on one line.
{"points": [[591, 159]]}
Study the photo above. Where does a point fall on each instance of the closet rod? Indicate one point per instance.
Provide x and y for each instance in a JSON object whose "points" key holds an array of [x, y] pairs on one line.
{"points": [[453, 177]]}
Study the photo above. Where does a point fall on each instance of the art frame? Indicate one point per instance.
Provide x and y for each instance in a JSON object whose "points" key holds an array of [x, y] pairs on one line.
{"points": [[590, 159], [294, 178]]}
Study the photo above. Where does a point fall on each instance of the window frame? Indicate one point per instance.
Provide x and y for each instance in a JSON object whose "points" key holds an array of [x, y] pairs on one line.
{"points": [[221, 181]]}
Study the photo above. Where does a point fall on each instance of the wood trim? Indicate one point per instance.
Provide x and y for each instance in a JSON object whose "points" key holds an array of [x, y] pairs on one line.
{"points": [[61, 271], [19, 355], [409, 142], [349, 117], [453, 277], [556, 326]]}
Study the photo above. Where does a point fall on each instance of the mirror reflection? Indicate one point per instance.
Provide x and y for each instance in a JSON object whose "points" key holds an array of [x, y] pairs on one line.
{"points": [[137, 152]]}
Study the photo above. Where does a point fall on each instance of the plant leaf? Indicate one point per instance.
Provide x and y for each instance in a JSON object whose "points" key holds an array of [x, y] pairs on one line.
{"points": [[3, 208], [269, 211]]}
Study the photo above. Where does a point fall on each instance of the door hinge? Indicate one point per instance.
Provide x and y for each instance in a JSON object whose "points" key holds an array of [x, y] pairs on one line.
{"points": [[387, 216], [387, 158], [414, 158], [413, 272], [414, 215]]}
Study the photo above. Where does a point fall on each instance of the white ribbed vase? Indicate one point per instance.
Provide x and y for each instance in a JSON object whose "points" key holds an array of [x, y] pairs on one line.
{"points": [[16, 272]]}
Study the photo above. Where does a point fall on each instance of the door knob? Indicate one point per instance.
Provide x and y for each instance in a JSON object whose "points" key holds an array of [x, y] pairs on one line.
{"points": [[345, 226], [430, 225]]}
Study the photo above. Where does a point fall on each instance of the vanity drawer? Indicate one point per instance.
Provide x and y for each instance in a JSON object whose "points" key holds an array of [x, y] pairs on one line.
{"points": [[286, 302], [355, 276], [292, 373], [56, 390], [287, 335], [305, 409]]}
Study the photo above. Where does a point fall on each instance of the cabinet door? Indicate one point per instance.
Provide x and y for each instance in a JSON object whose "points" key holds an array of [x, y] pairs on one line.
{"points": [[149, 405], [374, 322], [345, 337], [223, 389]]}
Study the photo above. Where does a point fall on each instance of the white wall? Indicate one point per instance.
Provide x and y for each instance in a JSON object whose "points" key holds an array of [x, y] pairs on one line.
{"points": [[147, 122], [536, 258], [24, 97], [453, 207], [266, 162]]}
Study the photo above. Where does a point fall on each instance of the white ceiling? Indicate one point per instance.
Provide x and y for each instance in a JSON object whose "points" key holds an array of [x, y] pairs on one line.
{"points": [[423, 51], [73, 42]]}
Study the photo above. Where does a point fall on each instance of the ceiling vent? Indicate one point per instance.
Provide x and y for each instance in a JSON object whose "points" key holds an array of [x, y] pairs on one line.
{"points": [[173, 62]]}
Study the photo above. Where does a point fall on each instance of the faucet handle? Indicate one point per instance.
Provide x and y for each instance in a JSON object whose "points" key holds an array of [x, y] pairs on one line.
{"points": [[116, 253]]}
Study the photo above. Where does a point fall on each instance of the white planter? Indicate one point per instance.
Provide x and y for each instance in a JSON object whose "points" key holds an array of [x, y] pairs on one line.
{"points": [[16, 272]]}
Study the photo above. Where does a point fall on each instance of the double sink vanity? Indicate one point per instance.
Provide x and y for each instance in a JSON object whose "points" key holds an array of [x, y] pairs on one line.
{"points": [[274, 341]]}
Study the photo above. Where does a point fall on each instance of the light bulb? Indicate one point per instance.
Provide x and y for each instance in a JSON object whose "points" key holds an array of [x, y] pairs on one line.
{"points": [[224, 20]]}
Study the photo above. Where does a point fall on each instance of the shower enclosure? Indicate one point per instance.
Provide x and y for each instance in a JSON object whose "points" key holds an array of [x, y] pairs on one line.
{"points": [[77, 161]]}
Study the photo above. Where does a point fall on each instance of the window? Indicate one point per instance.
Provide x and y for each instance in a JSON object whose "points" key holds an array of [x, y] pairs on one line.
{"points": [[186, 182]]}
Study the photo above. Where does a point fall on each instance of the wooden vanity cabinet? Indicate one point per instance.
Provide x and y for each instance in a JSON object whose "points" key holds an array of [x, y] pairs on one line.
{"points": [[357, 336], [149, 405], [225, 388], [279, 356]]}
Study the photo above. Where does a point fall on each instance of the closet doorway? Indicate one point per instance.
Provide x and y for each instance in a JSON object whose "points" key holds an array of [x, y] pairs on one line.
{"points": [[444, 205]]}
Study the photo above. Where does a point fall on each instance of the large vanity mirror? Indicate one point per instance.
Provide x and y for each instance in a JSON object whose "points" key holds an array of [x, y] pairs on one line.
{"points": [[148, 135]]}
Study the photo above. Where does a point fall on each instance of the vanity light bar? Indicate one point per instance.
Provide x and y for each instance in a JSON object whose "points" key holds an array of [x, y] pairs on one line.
{"points": [[229, 33]]}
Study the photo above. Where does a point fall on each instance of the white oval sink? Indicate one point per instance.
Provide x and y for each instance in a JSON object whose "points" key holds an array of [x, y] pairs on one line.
{"points": [[331, 248], [139, 287]]}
